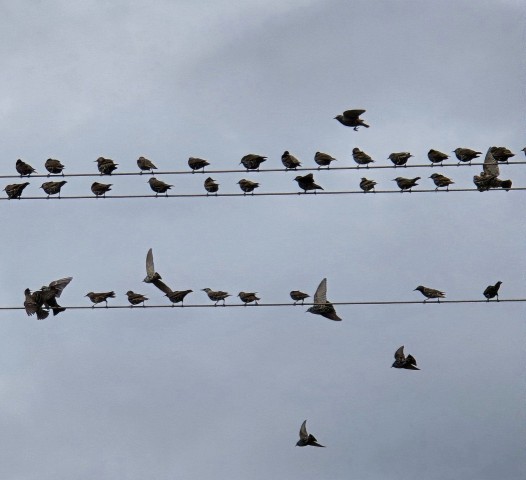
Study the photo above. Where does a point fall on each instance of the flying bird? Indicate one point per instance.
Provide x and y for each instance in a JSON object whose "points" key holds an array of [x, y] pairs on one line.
{"points": [[252, 161], [430, 293], [40, 301], [351, 118], [466, 155], [54, 166], [361, 158], [105, 165], [488, 178], [406, 183], [399, 159], [34, 304], [135, 298], [298, 296], [158, 186], [216, 296], [151, 274], [492, 291], [248, 297], [211, 186], [367, 185], [323, 159], [290, 162], [441, 181], [401, 361], [14, 190], [145, 165], [306, 182], [24, 169], [247, 186], [100, 189], [321, 305], [307, 438], [197, 163], [52, 188], [436, 157], [100, 297]]}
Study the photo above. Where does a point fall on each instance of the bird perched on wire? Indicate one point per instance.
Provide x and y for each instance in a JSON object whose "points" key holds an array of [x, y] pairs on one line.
{"points": [[151, 274], [145, 165], [248, 297], [401, 361], [211, 186], [466, 155], [298, 296], [216, 295], [307, 438], [158, 186], [367, 185], [523, 150], [501, 154], [40, 301], [306, 182], [14, 190], [34, 304], [247, 186], [492, 291], [441, 181], [106, 166], [290, 162], [361, 158], [321, 305], [135, 298], [323, 159], [54, 166], [399, 159], [406, 183], [351, 118], [24, 169], [52, 188], [100, 297], [100, 189], [436, 157], [197, 163], [252, 161], [430, 293], [488, 178]]}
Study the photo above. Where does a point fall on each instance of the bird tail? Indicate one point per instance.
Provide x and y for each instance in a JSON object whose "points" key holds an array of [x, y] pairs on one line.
{"points": [[57, 310], [111, 295]]}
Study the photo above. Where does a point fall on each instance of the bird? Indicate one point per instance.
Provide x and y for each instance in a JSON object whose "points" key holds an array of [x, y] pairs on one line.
{"points": [[361, 158], [406, 183], [158, 186], [151, 274], [14, 190], [306, 182], [40, 301], [248, 297], [323, 159], [100, 189], [298, 296], [106, 166], [144, 165], [216, 296], [321, 305], [34, 304], [492, 291], [401, 361], [399, 158], [175, 296], [351, 118], [247, 186], [100, 297], [489, 177], [135, 298], [211, 186], [367, 185], [52, 188], [430, 293], [290, 162], [501, 154], [252, 161], [197, 163], [307, 438], [441, 181], [54, 166], [436, 157], [523, 150], [24, 169], [465, 154]]}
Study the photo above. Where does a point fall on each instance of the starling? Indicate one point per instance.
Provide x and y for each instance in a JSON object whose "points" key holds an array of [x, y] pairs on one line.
{"points": [[151, 274], [323, 159], [24, 169], [248, 297], [175, 296], [307, 183], [136, 298], [466, 154], [34, 304], [401, 361], [144, 165], [100, 188], [290, 161], [197, 163], [14, 190], [501, 154], [54, 166], [436, 157], [100, 297], [52, 188], [406, 183], [441, 181], [247, 186], [430, 293], [158, 186], [106, 166], [211, 186], [307, 438], [399, 158], [361, 158], [367, 185], [51, 292], [350, 118], [297, 296], [488, 178], [216, 296], [252, 161], [523, 150], [321, 305], [492, 291]]}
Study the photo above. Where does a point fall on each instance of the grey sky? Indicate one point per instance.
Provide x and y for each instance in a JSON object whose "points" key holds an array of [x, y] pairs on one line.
{"points": [[221, 393]]}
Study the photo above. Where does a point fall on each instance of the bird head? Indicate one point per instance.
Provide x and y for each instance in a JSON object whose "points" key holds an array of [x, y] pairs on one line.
{"points": [[88, 294], [419, 288], [129, 292], [206, 289]]}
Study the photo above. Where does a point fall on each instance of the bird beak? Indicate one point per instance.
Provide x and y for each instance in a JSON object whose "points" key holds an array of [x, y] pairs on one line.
{"points": [[415, 290]]}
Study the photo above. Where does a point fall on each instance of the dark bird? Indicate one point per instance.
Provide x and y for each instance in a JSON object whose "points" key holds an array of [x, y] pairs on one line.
{"points": [[14, 190], [106, 166], [401, 361], [441, 181], [24, 169], [321, 305], [323, 159], [52, 188], [298, 296], [211, 186], [290, 162], [465, 154], [350, 118], [175, 296], [252, 161], [216, 296], [151, 274], [307, 438], [197, 163], [523, 150], [144, 165], [100, 189], [158, 186], [406, 183], [135, 298], [399, 159], [430, 293], [436, 157], [100, 297], [247, 186], [492, 291], [488, 178], [361, 158], [248, 297], [501, 154], [54, 166], [306, 182], [51, 292], [367, 185], [34, 304]]}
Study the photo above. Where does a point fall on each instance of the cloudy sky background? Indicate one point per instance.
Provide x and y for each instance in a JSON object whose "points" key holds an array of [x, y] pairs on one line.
{"points": [[221, 393]]}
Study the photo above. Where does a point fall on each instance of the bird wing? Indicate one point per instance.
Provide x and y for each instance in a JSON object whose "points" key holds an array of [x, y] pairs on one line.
{"points": [[491, 166], [162, 286], [320, 296], [59, 285], [352, 114], [399, 354], [303, 431], [411, 360], [309, 178], [150, 269]]}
